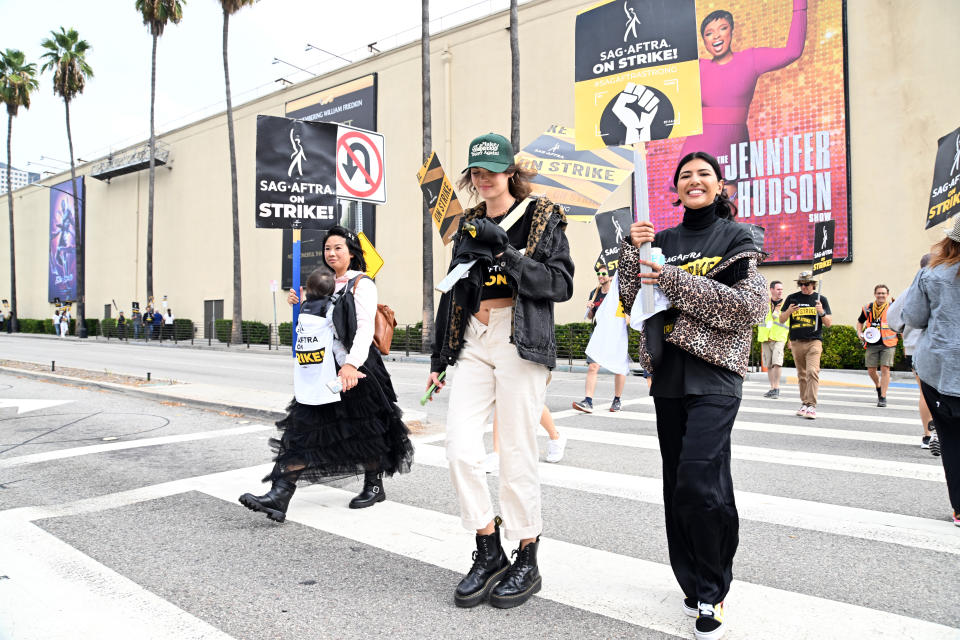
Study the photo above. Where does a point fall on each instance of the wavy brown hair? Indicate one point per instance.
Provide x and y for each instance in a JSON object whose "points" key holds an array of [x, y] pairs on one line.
{"points": [[519, 184], [947, 252]]}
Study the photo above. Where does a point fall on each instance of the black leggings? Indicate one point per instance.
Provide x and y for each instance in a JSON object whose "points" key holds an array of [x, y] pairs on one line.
{"points": [[701, 514], [946, 417]]}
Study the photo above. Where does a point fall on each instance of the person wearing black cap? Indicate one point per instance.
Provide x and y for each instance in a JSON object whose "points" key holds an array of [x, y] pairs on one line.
{"points": [[809, 313], [496, 325]]}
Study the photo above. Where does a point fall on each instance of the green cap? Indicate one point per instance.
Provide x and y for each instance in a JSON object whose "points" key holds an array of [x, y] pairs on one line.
{"points": [[490, 151]]}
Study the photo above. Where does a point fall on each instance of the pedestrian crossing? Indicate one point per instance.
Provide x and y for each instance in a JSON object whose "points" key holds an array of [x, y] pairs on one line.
{"points": [[614, 583]]}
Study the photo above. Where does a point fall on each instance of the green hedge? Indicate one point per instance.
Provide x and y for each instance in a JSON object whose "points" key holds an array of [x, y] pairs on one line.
{"points": [[285, 332], [257, 332]]}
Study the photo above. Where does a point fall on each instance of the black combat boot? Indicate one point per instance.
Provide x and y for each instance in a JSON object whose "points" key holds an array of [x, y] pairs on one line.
{"points": [[489, 565], [521, 581], [274, 502], [372, 492]]}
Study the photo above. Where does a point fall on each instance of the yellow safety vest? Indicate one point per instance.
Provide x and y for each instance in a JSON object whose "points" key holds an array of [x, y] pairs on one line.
{"points": [[772, 328], [888, 337]]}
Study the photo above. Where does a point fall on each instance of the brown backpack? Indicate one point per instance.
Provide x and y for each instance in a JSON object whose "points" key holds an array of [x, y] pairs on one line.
{"points": [[384, 322]]}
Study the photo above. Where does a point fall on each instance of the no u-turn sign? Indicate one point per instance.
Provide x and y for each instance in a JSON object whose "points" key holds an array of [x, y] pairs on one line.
{"points": [[360, 165]]}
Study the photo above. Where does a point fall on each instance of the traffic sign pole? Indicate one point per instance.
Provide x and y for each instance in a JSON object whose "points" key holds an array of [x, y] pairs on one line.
{"points": [[295, 285]]}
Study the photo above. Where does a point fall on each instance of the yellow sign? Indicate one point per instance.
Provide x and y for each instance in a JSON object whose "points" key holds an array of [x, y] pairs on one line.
{"points": [[370, 255], [637, 72], [441, 199]]}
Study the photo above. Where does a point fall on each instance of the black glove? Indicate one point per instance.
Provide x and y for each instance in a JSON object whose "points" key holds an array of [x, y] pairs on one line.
{"points": [[490, 233]]}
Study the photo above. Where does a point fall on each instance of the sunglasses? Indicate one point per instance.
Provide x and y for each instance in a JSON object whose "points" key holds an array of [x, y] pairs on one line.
{"points": [[601, 274]]}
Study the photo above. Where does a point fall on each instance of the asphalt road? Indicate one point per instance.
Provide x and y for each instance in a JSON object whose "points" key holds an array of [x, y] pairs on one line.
{"points": [[118, 518]]}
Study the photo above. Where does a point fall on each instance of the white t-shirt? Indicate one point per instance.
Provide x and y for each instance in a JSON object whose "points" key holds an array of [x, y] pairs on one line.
{"points": [[314, 366]]}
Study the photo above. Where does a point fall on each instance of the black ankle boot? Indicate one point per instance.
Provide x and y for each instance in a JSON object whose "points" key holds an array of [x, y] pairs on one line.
{"points": [[521, 581], [274, 502], [489, 565], [372, 492]]}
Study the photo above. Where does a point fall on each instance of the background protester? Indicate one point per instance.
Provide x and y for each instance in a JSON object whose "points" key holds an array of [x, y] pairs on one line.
{"points": [[56, 322], [65, 323], [157, 324], [911, 337], [147, 321], [496, 325], [879, 340], [168, 324], [931, 303], [363, 432], [772, 335], [593, 368], [137, 323], [809, 313], [121, 326], [698, 352]]}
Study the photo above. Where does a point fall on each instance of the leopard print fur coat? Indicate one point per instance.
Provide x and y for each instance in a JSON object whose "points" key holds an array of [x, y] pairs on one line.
{"points": [[716, 320]]}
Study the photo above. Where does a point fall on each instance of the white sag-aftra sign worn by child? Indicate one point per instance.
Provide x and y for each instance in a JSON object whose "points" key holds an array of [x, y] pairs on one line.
{"points": [[315, 366]]}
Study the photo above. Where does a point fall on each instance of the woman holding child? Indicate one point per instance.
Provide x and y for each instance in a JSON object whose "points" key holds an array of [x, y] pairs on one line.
{"points": [[358, 430]]}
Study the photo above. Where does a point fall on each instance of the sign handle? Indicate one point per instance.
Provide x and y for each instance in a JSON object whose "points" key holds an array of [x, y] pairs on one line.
{"points": [[295, 285], [641, 213]]}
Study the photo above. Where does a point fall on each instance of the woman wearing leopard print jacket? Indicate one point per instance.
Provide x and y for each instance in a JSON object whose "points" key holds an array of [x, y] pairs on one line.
{"points": [[698, 351]]}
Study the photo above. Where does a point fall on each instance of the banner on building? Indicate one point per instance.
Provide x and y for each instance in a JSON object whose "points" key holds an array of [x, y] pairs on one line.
{"points": [[613, 227], [352, 103], [65, 212], [441, 199], [945, 194], [579, 181], [636, 72], [823, 237], [774, 116], [296, 173]]}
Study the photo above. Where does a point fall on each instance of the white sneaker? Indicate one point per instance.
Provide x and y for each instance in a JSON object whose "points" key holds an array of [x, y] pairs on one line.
{"points": [[491, 464], [555, 448], [802, 411]]}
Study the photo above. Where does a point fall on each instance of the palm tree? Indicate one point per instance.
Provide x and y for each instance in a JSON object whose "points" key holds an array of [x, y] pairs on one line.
{"points": [[427, 226], [514, 78], [17, 80], [66, 55], [229, 8], [156, 14]]}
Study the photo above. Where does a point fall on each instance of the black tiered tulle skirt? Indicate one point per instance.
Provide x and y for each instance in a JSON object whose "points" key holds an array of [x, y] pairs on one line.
{"points": [[364, 431]]}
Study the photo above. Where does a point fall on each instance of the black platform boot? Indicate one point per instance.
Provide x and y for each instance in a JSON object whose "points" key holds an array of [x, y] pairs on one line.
{"points": [[521, 581], [372, 492], [274, 502], [489, 565]]}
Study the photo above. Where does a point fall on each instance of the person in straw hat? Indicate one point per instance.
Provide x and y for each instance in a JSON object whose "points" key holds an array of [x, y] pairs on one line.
{"points": [[809, 313]]}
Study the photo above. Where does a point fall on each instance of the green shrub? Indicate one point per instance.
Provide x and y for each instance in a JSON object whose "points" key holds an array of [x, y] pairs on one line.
{"points": [[256, 332], [29, 325], [285, 333], [46, 326], [108, 326], [182, 328]]}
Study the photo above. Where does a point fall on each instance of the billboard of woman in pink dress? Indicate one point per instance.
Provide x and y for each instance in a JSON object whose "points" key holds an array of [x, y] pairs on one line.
{"points": [[772, 84]]}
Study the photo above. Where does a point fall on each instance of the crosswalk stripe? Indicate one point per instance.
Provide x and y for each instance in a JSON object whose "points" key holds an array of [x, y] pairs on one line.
{"points": [[633, 590], [51, 591], [841, 520], [888, 468], [767, 427], [830, 402], [630, 589], [838, 391]]}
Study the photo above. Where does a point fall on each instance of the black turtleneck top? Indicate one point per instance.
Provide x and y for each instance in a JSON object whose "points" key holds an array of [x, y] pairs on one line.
{"points": [[698, 244]]}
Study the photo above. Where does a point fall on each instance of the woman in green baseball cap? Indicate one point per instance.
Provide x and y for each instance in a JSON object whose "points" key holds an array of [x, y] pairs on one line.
{"points": [[496, 325]]}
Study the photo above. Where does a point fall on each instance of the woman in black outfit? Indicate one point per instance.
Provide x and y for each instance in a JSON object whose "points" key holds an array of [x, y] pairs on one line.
{"points": [[698, 351]]}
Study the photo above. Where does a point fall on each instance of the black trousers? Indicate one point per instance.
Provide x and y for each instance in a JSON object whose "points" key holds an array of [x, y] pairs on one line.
{"points": [[946, 417], [701, 514]]}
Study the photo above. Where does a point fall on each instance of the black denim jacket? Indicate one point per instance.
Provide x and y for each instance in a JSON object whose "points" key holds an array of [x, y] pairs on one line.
{"points": [[543, 275]]}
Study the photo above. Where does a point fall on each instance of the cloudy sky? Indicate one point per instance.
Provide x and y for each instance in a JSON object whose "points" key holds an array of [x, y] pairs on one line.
{"points": [[114, 109]]}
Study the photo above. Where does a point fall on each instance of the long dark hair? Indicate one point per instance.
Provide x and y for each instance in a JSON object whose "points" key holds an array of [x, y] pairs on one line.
{"points": [[357, 263], [725, 206]]}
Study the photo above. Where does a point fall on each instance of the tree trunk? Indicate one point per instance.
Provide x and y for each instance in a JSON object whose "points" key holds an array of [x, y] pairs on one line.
{"points": [[236, 334], [13, 262], [153, 151], [80, 211], [427, 226], [514, 78]]}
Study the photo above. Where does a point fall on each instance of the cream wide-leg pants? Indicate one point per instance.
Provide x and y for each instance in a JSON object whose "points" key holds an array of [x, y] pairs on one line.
{"points": [[491, 374]]}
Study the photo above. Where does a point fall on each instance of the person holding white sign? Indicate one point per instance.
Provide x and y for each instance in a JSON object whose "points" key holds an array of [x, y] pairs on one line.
{"points": [[698, 351], [496, 325]]}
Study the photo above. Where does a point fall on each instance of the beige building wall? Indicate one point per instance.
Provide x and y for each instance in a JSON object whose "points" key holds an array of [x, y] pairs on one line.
{"points": [[899, 106]]}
